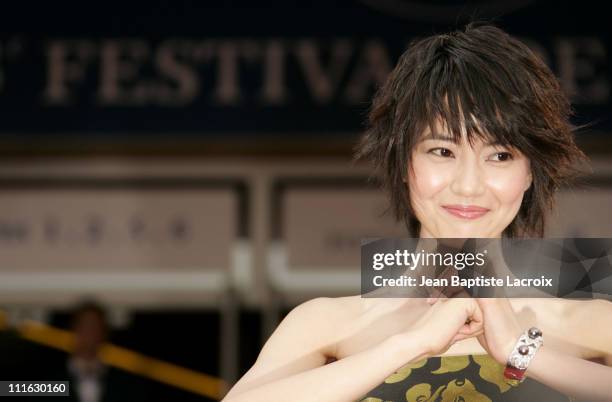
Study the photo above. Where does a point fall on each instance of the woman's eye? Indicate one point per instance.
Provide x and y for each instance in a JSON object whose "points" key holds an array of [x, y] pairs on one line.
{"points": [[443, 152], [502, 156]]}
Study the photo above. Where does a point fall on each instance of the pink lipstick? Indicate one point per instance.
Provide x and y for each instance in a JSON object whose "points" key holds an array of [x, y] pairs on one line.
{"points": [[466, 211]]}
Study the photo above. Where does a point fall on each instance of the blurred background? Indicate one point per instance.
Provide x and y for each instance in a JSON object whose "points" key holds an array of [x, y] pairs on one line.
{"points": [[175, 176]]}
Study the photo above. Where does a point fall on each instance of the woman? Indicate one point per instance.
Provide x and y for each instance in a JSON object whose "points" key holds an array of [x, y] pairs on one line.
{"points": [[472, 137]]}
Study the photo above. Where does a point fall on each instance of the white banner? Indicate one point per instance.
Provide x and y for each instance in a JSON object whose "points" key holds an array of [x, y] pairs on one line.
{"points": [[116, 230]]}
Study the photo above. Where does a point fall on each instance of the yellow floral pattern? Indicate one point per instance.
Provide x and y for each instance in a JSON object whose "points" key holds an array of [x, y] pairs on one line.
{"points": [[492, 372], [456, 390], [451, 364], [473, 378], [403, 372]]}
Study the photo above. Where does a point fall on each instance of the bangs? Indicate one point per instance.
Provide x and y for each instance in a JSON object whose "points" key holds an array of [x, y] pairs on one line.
{"points": [[465, 98]]}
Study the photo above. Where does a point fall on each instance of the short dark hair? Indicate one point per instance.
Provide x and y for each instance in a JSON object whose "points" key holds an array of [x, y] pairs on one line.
{"points": [[89, 306], [479, 71]]}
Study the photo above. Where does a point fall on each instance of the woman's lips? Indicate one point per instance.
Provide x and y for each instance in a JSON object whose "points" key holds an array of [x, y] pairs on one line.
{"points": [[467, 211]]}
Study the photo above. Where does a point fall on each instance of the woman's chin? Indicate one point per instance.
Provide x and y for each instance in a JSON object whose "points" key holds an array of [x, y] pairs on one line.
{"points": [[459, 228], [464, 231]]}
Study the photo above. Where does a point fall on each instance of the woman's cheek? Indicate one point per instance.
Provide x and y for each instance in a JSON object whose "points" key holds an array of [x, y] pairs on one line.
{"points": [[507, 188], [429, 178]]}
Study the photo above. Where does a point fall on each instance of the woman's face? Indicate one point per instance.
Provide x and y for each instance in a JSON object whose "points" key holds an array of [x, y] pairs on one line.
{"points": [[463, 190]]}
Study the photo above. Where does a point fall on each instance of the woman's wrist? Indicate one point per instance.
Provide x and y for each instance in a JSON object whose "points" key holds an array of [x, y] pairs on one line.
{"points": [[408, 347], [501, 349], [507, 348]]}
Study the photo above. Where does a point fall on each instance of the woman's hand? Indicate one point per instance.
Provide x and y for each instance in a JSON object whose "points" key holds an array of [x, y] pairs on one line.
{"points": [[501, 328], [446, 323]]}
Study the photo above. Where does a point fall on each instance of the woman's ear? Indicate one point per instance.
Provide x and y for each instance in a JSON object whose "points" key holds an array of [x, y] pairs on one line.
{"points": [[528, 182]]}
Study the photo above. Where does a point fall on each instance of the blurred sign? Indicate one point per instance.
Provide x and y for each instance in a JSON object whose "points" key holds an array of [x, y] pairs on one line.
{"points": [[322, 226], [111, 230], [203, 70]]}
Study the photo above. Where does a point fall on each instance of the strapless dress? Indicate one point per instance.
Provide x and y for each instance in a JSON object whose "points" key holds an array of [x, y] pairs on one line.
{"points": [[469, 378]]}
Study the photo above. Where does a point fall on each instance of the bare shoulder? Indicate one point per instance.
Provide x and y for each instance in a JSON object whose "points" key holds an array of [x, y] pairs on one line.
{"points": [[310, 324], [326, 310], [302, 341], [312, 329]]}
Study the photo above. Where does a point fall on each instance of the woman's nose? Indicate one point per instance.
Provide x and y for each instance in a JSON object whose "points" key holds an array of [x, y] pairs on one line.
{"points": [[468, 177]]}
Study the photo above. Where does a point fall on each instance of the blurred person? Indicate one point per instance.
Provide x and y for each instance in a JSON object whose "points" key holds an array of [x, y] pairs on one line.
{"points": [[90, 379], [90, 328], [472, 134]]}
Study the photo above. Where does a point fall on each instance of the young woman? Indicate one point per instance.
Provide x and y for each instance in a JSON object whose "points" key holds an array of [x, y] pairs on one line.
{"points": [[472, 138]]}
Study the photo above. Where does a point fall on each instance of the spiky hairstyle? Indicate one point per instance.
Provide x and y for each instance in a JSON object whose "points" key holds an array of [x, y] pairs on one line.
{"points": [[491, 84]]}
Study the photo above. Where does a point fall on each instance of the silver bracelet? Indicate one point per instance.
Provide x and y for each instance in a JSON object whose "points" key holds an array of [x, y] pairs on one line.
{"points": [[525, 348]]}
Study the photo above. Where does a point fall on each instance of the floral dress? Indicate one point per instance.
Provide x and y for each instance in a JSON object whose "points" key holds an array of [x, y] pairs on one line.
{"points": [[470, 378]]}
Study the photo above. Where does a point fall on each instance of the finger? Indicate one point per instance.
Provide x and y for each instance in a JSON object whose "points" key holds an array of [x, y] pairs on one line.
{"points": [[467, 331], [457, 338], [471, 328], [477, 333], [461, 336]]}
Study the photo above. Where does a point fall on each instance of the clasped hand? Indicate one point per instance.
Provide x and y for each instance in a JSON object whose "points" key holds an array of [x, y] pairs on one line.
{"points": [[492, 321]]}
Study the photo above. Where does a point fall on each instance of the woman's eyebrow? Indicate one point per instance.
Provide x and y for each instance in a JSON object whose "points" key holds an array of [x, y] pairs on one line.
{"points": [[440, 137], [449, 138]]}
